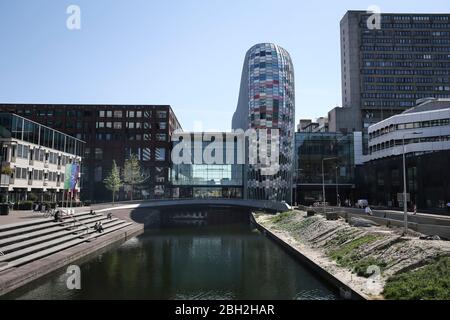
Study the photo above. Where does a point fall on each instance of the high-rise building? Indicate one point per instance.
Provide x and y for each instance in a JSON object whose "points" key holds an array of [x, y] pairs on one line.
{"points": [[388, 65], [267, 101], [113, 132]]}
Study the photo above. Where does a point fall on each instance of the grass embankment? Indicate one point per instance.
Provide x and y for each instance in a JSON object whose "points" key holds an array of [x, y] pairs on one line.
{"points": [[355, 249], [348, 254], [431, 282], [344, 247]]}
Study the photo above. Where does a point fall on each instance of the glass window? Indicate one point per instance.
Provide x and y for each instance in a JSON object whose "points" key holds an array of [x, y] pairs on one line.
{"points": [[138, 114], [161, 137], [101, 114], [146, 154], [162, 125], [117, 125], [117, 114], [160, 154], [161, 114], [98, 153], [98, 174], [130, 114]]}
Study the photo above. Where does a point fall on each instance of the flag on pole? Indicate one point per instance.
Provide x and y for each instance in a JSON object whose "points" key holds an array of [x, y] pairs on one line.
{"points": [[67, 175], [71, 176]]}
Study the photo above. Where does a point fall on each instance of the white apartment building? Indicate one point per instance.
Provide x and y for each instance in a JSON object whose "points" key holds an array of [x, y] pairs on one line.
{"points": [[424, 128], [34, 159]]}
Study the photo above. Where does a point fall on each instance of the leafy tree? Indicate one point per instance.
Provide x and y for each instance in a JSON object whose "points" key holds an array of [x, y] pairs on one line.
{"points": [[132, 173], [112, 181]]}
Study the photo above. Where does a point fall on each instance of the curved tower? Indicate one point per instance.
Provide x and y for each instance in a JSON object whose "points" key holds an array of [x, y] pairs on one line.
{"points": [[267, 101]]}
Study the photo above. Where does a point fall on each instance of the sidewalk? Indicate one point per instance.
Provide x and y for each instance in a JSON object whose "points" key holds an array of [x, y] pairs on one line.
{"points": [[16, 216]]}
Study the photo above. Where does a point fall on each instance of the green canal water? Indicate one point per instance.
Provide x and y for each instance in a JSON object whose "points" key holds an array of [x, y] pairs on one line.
{"points": [[200, 260]]}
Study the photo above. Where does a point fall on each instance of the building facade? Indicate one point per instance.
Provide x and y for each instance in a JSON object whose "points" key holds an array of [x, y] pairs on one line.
{"points": [[339, 153], [34, 159], [267, 101], [423, 134], [423, 129], [386, 69], [208, 171], [113, 132]]}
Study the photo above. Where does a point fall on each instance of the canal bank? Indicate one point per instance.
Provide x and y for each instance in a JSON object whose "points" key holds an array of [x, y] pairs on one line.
{"points": [[374, 261], [312, 261], [181, 259], [41, 264]]}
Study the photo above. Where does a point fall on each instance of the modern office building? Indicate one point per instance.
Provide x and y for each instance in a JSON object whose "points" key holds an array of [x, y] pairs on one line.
{"points": [[425, 128], [339, 153], [385, 70], [34, 159], [424, 133], [267, 101], [201, 177], [113, 132]]}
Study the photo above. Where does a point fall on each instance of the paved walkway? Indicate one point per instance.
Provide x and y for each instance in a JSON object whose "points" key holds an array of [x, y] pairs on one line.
{"points": [[16, 216]]}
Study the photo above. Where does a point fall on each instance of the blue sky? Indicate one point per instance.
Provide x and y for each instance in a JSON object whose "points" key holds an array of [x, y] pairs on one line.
{"points": [[186, 53]]}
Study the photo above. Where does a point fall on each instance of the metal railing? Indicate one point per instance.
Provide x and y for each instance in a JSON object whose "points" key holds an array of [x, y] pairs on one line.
{"points": [[77, 223]]}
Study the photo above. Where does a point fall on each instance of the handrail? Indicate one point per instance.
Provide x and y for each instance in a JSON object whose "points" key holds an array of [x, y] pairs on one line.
{"points": [[75, 220]]}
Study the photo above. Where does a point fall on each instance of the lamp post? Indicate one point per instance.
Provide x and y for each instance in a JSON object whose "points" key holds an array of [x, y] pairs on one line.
{"points": [[323, 180], [405, 204], [338, 203]]}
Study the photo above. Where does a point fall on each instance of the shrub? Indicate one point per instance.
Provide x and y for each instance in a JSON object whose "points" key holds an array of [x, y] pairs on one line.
{"points": [[431, 282]]}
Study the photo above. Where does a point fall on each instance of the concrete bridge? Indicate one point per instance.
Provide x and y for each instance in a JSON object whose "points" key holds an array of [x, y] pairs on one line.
{"points": [[272, 206]]}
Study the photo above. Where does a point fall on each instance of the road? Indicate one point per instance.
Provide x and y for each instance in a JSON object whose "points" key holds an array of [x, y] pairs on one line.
{"points": [[419, 218]]}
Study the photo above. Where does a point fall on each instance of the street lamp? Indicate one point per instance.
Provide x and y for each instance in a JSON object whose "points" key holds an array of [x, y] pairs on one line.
{"points": [[405, 205], [323, 180], [338, 202]]}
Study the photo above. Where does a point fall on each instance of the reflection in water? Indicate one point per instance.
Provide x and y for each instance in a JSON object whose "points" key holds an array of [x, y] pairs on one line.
{"points": [[203, 262]]}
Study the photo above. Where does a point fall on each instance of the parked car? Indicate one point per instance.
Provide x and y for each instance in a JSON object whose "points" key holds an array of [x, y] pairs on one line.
{"points": [[362, 203]]}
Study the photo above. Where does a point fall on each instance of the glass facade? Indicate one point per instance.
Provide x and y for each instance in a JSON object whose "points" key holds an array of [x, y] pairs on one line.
{"points": [[197, 179], [267, 101], [14, 126], [337, 152]]}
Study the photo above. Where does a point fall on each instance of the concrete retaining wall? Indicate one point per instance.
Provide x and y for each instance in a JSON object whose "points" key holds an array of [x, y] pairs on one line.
{"points": [[16, 277], [345, 291]]}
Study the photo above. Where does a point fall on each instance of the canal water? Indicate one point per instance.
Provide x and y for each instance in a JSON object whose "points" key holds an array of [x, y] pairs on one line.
{"points": [[188, 256]]}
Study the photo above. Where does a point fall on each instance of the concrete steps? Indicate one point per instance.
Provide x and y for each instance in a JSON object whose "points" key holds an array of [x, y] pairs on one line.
{"points": [[40, 232], [38, 225], [21, 243]]}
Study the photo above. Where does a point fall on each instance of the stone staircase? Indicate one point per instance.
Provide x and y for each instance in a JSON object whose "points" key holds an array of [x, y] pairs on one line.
{"points": [[21, 243]]}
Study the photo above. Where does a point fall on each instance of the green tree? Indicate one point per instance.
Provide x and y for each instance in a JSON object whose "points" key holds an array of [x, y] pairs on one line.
{"points": [[132, 173], [112, 181]]}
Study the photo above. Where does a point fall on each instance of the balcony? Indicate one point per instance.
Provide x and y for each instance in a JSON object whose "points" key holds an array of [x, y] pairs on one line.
{"points": [[5, 180]]}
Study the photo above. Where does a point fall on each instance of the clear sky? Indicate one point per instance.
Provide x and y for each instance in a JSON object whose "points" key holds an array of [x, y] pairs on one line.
{"points": [[186, 53]]}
